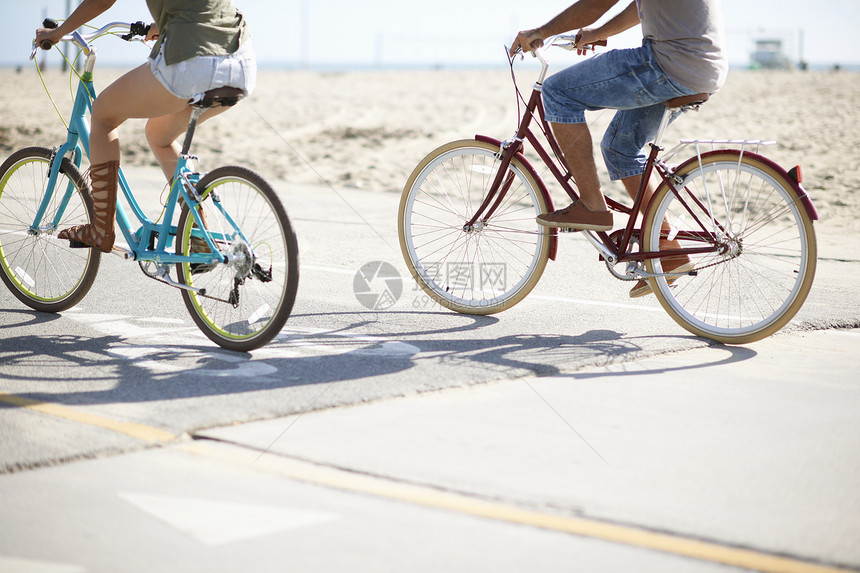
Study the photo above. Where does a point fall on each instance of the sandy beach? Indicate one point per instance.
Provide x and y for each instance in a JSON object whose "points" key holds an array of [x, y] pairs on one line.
{"points": [[368, 129]]}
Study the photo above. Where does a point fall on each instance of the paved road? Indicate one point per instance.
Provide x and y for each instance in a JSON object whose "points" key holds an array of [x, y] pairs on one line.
{"points": [[752, 447]]}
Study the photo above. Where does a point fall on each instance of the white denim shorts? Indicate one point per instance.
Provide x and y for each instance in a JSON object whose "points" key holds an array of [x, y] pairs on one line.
{"points": [[190, 78]]}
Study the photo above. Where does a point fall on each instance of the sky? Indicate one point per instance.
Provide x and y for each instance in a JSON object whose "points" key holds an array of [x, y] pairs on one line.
{"points": [[326, 33]]}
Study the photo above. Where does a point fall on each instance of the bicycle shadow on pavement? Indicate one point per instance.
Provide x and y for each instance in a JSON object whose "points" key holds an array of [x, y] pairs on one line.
{"points": [[445, 351], [35, 318]]}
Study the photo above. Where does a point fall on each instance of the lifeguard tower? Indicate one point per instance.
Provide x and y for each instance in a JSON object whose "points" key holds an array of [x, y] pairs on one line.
{"points": [[769, 55]]}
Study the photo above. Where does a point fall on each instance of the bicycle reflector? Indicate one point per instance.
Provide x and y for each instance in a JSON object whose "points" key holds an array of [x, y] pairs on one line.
{"points": [[796, 173]]}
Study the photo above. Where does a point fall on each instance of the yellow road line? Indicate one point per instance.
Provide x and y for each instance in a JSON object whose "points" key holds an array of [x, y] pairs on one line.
{"points": [[428, 497], [134, 430]]}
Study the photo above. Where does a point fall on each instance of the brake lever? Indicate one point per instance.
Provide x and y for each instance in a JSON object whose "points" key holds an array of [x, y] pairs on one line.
{"points": [[136, 29]]}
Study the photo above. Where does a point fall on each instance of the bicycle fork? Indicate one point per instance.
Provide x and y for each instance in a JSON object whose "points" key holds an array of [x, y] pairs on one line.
{"points": [[501, 185]]}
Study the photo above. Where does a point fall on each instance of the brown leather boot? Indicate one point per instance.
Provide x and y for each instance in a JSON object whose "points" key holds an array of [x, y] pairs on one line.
{"points": [[100, 233]]}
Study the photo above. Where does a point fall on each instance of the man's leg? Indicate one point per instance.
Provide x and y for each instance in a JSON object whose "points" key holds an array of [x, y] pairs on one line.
{"points": [[631, 185], [626, 80], [590, 212], [575, 142], [670, 264]]}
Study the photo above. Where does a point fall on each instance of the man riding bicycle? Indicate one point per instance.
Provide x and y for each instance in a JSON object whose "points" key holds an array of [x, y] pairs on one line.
{"points": [[682, 54]]}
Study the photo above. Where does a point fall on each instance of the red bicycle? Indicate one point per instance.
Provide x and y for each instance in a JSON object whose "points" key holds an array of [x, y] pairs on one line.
{"points": [[468, 232]]}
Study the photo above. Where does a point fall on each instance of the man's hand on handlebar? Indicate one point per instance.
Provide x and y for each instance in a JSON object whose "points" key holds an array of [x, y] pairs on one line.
{"points": [[587, 39], [533, 40], [527, 41]]}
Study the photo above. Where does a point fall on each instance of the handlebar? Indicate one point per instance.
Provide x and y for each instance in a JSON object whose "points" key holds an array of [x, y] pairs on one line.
{"points": [[567, 42], [132, 31], [571, 43]]}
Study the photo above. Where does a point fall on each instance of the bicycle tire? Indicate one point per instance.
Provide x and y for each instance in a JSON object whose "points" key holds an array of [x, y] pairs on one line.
{"points": [[761, 277], [39, 269], [263, 302], [491, 268]]}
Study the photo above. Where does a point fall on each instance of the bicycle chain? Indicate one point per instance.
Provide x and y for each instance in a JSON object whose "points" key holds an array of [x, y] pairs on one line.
{"points": [[694, 270]]}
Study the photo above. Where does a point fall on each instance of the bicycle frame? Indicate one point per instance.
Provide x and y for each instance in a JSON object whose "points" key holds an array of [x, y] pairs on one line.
{"points": [[152, 239], [614, 251]]}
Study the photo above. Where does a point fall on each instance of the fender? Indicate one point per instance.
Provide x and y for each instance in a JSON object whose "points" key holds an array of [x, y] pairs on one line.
{"points": [[553, 239], [802, 196]]}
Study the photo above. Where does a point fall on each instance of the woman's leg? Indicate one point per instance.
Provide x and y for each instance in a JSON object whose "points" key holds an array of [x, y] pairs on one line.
{"points": [[162, 133], [137, 94]]}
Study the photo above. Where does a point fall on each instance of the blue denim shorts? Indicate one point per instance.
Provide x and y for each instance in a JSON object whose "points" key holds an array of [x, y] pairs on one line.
{"points": [[189, 79], [627, 80]]}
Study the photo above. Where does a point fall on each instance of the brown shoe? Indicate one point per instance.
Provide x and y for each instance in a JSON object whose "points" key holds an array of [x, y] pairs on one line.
{"points": [[670, 265], [577, 216]]}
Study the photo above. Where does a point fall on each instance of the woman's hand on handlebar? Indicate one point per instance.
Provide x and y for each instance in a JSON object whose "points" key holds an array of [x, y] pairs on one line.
{"points": [[152, 32], [47, 37]]}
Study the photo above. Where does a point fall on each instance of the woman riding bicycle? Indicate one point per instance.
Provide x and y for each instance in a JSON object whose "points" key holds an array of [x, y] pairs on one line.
{"points": [[201, 45]]}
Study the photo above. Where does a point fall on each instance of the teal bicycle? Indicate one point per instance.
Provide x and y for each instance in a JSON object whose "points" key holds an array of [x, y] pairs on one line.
{"points": [[223, 239]]}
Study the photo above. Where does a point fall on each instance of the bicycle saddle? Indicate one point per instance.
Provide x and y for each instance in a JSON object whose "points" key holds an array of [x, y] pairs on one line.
{"points": [[695, 99], [225, 96]]}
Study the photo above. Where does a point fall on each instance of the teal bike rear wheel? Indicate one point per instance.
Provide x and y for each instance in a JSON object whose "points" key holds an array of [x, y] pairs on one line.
{"points": [[39, 269], [244, 296]]}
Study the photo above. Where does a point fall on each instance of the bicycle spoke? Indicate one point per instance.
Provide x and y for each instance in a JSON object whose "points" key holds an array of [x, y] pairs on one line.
{"points": [[244, 303], [41, 271], [765, 271], [469, 269]]}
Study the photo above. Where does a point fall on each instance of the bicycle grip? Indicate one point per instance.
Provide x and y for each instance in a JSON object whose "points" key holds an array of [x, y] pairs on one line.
{"points": [[51, 24]]}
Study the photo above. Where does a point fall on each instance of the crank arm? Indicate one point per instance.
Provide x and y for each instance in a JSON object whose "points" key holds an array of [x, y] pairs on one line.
{"points": [[647, 275], [164, 277]]}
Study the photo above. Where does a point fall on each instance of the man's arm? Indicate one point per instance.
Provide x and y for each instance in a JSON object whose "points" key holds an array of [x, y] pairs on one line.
{"points": [[623, 21], [577, 16]]}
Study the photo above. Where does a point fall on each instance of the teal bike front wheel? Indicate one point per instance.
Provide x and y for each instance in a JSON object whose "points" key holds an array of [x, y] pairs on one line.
{"points": [[39, 269], [242, 297]]}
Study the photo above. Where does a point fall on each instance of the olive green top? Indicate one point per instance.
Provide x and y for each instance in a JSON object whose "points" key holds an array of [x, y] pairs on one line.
{"points": [[189, 28]]}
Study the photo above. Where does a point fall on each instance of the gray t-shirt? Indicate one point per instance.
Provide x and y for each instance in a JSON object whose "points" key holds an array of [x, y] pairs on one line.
{"points": [[687, 39]]}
